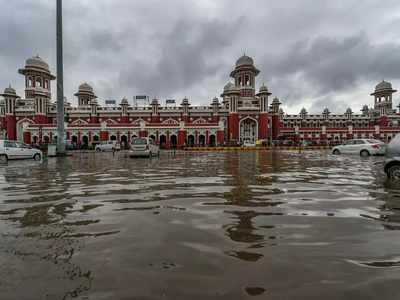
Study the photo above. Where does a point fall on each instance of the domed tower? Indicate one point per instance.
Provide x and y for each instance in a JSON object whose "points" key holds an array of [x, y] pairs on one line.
{"points": [[38, 85], [244, 74], [10, 97], [275, 105], [185, 106], [124, 107], [85, 94], [383, 98], [263, 95], [155, 116], [233, 94], [224, 95]]}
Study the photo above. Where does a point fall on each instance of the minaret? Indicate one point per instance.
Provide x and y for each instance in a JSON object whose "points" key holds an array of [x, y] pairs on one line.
{"points": [[155, 116], [38, 86], [263, 95], [124, 108], [233, 95], [185, 106], [10, 97], [215, 110], [275, 105]]}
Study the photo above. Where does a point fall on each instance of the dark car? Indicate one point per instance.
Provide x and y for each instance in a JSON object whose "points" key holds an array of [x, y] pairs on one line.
{"points": [[392, 162]]}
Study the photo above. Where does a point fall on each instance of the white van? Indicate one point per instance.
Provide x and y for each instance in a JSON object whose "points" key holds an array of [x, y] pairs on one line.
{"points": [[144, 147], [17, 150]]}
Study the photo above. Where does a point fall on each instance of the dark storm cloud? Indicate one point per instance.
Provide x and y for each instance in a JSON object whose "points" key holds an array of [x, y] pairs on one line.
{"points": [[310, 53]]}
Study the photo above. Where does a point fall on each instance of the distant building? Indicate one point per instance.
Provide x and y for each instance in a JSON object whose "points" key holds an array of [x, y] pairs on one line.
{"points": [[242, 115]]}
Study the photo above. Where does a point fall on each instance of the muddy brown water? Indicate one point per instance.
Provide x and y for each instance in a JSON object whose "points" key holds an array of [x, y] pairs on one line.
{"points": [[251, 225]]}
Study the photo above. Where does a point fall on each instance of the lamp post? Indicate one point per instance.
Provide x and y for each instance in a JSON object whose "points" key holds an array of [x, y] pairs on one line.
{"points": [[60, 84]]}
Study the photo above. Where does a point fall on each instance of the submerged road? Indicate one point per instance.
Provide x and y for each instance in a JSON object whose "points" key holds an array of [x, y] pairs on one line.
{"points": [[250, 225]]}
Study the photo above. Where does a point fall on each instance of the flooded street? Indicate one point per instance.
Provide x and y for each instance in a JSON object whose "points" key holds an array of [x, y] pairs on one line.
{"points": [[250, 225]]}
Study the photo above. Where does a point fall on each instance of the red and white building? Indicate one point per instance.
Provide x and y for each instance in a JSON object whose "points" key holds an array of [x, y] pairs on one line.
{"points": [[243, 114]]}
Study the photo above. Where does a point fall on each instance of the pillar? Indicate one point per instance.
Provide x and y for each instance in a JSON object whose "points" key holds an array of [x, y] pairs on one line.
{"points": [[11, 124], [27, 137], [181, 138], [220, 137], [275, 127], [207, 139], [263, 126], [233, 125], [104, 136]]}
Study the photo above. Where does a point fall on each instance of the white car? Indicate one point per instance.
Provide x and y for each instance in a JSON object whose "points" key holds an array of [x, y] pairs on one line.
{"points": [[362, 147], [108, 146], [18, 150], [144, 147], [247, 143]]}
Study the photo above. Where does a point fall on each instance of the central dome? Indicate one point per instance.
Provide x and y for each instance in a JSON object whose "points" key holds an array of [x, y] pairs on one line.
{"points": [[384, 85], [244, 61], [85, 87], [37, 62]]}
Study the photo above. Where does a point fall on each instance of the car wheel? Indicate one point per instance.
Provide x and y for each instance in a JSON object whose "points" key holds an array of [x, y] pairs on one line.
{"points": [[394, 172], [37, 157], [3, 158], [336, 152], [98, 150], [364, 153]]}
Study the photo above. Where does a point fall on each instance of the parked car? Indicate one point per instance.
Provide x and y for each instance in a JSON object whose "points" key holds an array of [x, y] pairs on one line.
{"points": [[17, 150], [108, 146], [362, 147], [144, 147], [392, 162]]}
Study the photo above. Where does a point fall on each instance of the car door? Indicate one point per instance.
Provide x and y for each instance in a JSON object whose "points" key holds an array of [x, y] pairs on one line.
{"points": [[10, 148], [358, 146], [347, 147], [21, 150]]}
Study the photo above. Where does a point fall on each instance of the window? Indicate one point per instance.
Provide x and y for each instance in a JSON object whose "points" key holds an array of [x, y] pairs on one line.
{"points": [[139, 142], [38, 82], [10, 144], [359, 142]]}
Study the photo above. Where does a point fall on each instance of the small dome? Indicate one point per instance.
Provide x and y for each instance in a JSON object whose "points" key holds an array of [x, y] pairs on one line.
{"points": [[37, 62], [185, 101], [326, 111], [215, 101], [281, 112], [244, 61], [303, 111], [10, 91], [382, 86], [275, 101], [228, 86], [85, 87], [365, 108], [154, 101], [349, 111], [263, 88], [124, 101]]}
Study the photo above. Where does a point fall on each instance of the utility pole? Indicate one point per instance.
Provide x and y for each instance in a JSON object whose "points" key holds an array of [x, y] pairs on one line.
{"points": [[60, 84]]}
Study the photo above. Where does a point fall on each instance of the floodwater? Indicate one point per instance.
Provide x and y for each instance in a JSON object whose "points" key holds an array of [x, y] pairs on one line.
{"points": [[250, 225]]}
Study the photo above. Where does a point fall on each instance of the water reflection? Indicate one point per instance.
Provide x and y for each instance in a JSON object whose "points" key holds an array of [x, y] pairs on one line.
{"points": [[94, 223]]}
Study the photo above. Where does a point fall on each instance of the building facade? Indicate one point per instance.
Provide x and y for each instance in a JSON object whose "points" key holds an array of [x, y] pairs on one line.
{"points": [[241, 114]]}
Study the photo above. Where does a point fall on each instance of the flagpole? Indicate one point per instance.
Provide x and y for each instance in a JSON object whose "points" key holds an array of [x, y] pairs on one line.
{"points": [[60, 84]]}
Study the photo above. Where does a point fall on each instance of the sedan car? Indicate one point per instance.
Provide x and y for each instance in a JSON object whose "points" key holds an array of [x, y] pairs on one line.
{"points": [[108, 146], [18, 150], [362, 147], [392, 162], [144, 147]]}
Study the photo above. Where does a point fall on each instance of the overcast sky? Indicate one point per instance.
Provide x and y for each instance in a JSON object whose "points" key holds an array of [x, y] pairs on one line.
{"points": [[310, 53]]}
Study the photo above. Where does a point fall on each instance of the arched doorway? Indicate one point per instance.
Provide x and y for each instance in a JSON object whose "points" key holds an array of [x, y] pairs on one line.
{"points": [[96, 139], [190, 140], [202, 140], [163, 141], [85, 142], [248, 130], [46, 139], [74, 141], [153, 137], [124, 142], [174, 141], [212, 140], [35, 139], [113, 138]]}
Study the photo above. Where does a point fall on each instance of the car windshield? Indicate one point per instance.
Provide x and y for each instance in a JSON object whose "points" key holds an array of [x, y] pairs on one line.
{"points": [[374, 141], [140, 142]]}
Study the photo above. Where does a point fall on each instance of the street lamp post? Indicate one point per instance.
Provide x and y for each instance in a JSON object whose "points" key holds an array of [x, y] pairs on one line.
{"points": [[60, 84]]}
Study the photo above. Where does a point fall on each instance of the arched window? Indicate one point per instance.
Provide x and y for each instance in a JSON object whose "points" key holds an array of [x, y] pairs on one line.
{"points": [[247, 80], [38, 82], [30, 82], [46, 84]]}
